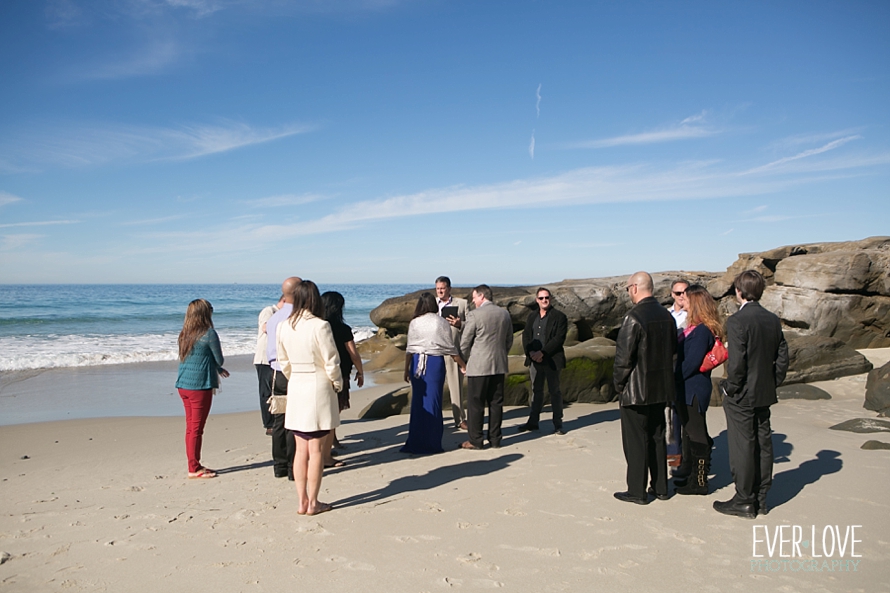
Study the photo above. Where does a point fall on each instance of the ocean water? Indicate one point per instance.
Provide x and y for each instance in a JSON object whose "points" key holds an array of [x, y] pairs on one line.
{"points": [[45, 326]]}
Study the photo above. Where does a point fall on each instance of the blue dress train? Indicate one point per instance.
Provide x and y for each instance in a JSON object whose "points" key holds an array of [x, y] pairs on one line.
{"points": [[425, 428]]}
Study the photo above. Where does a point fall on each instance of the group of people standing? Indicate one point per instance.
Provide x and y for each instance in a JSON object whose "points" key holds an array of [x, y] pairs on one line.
{"points": [[659, 362], [306, 352]]}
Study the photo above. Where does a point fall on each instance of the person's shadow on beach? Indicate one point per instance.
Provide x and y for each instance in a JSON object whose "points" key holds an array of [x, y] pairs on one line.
{"points": [[789, 484], [720, 469], [510, 434], [432, 479]]}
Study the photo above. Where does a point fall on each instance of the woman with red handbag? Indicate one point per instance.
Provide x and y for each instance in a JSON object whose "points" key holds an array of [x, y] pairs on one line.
{"points": [[703, 331]]}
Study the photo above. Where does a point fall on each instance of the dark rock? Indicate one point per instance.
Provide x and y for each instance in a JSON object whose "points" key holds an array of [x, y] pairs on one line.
{"points": [[801, 391], [391, 404], [874, 445], [877, 390], [818, 358], [863, 425]]}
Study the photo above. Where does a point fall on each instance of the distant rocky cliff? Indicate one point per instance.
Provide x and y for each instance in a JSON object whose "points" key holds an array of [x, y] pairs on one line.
{"points": [[835, 290]]}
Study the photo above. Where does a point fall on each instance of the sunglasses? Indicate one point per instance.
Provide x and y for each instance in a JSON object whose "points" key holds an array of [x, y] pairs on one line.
{"points": [[544, 298], [681, 293]]}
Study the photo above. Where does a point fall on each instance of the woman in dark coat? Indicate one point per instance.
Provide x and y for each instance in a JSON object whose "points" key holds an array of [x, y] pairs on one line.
{"points": [[694, 386]]}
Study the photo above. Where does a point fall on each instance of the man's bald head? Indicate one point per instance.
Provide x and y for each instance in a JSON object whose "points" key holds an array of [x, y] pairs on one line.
{"points": [[640, 286], [288, 287]]}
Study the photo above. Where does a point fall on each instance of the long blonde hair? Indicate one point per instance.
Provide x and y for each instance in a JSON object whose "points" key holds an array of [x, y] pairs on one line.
{"points": [[702, 308], [197, 322]]}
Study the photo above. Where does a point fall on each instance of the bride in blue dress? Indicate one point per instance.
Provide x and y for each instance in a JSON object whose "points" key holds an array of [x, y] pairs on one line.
{"points": [[429, 342]]}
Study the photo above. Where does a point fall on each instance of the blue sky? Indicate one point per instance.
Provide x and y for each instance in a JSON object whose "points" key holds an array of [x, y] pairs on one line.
{"points": [[506, 142]]}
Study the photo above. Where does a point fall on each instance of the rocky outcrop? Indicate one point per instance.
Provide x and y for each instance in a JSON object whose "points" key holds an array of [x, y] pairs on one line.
{"points": [[837, 290], [801, 391], [837, 295], [877, 390], [594, 307], [391, 404], [817, 358], [875, 445], [587, 377], [862, 425]]}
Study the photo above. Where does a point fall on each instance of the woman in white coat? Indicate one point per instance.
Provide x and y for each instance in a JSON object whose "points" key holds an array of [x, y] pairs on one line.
{"points": [[308, 357]]}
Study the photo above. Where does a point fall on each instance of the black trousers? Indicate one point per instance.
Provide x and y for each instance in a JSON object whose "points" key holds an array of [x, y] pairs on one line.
{"points": [[264, 378], [750, 444], [642, 434], [486, 391], [539, 374], [695, 425], [283, 445]]}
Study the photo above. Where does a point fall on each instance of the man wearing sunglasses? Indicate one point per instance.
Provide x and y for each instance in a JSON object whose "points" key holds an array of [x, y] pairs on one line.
{"points": [[543, 338]]}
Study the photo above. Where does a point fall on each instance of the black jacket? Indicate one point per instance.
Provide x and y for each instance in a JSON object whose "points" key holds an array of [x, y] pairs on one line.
{"points": [[644, 355], [758, 356], [555, 337]]}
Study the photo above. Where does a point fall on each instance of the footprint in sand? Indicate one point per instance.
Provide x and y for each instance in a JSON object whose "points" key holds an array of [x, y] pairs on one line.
{"points": [[474, 559], [514, 513], [465, 525], [552, 552]]}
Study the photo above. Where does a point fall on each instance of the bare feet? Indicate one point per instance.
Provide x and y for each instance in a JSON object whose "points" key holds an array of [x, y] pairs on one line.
{"points": [[320, 507]]}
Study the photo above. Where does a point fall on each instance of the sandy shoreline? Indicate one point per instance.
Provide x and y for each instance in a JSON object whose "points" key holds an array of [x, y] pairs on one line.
{"points": [[103, 505]]}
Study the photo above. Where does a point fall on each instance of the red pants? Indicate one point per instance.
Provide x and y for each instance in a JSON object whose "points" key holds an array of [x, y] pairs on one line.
{"points": [[197, 408]]}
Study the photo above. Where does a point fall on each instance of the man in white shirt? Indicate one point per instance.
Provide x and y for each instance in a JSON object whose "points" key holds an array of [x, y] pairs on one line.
{"points": [[283, 445], [678, 310], [261, 362]]}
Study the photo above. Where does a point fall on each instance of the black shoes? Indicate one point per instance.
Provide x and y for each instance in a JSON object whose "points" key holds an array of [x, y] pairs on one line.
{"points": [[651, 491], [559, 431], [736, 509], [628, 497], [525, 427]]}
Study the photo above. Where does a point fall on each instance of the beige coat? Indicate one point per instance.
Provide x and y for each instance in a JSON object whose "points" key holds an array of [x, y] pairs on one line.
{"points": [[308, 358]]}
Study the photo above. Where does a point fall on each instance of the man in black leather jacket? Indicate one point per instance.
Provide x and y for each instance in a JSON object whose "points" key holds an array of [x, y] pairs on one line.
{"points": [[644, 380]]}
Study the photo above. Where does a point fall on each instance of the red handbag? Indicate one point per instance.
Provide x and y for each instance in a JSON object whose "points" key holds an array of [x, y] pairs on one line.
{"points": [[715, 357]]}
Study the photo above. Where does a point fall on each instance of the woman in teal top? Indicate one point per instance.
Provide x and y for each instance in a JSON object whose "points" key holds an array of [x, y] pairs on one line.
{"points": [[200, 366]]}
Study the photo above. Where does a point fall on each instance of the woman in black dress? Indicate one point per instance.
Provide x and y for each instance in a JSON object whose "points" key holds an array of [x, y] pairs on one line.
{"points": [[333, 313]]}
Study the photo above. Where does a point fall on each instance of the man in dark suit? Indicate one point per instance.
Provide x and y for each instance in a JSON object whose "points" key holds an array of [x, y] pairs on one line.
{"points": [[644, 379], [758, 361], [543, 337], [486, 338]]}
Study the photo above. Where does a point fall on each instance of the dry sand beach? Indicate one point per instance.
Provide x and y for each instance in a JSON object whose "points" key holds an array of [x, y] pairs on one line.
{"points": [[104, 505]]}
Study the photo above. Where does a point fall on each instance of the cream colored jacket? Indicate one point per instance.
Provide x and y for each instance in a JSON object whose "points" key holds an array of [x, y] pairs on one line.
{"points": [[308, 358]]}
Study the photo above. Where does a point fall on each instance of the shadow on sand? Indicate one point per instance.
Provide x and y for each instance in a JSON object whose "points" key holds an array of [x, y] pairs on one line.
{"points": [[432, 479]]}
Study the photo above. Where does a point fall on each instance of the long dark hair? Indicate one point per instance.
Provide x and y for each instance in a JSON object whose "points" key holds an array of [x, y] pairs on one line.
{"points": [[425, 304], [701, 308], [306, 298], [333, 306], [197, 322]]}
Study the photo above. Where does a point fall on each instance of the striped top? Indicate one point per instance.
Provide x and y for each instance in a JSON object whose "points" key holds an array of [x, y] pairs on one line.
{"points": [[200, 369]]}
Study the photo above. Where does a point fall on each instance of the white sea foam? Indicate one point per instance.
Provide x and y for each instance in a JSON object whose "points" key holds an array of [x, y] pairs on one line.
{"points": [[18, 353]]}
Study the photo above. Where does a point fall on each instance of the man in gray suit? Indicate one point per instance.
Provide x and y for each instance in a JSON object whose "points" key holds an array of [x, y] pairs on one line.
{"points": [[485, 341]]}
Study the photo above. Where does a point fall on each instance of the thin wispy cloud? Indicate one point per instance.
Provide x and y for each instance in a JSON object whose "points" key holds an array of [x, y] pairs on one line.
{"points": [[805, 154], [590, 185], [691, 127], [151, 221], [7, 198], [153, 58], [15, 242], [284, 200], [538, 101], [803, 139], [38, 223], [90, 145], [531, 146]]}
